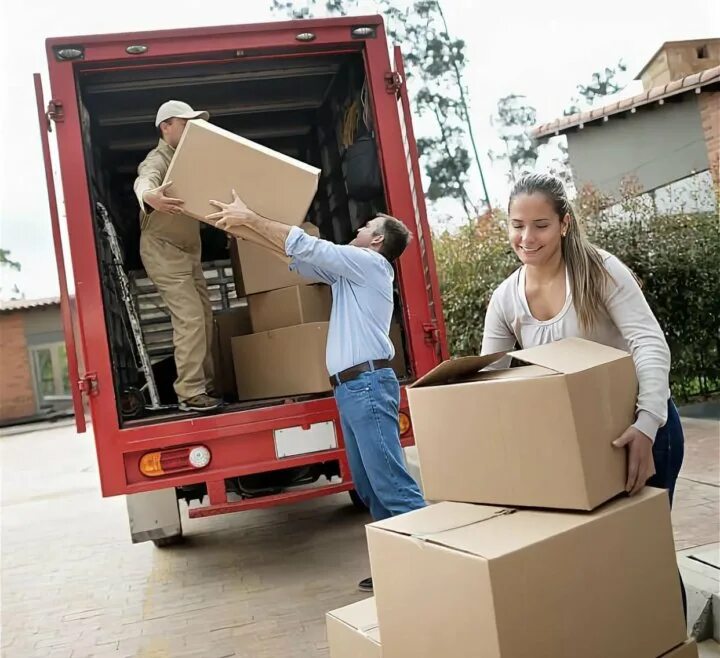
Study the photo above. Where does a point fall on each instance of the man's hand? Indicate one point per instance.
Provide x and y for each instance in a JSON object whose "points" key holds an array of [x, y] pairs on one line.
{"points": [[231, 215], [157, 200], [641, 466]]}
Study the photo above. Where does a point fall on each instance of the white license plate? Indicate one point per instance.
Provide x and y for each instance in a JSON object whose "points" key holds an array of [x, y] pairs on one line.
{"points": [[293, 441]]}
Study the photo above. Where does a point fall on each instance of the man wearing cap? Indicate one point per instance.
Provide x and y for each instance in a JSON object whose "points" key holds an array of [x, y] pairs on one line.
{"points": [[170, 252]]}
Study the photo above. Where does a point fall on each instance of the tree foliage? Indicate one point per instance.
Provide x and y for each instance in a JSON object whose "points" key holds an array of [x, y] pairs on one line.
{"points": [[602, 83], [513, 120], [435, 63], [6, 261]]}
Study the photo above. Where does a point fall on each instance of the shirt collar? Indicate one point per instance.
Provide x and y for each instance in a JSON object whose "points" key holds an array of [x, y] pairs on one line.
{"points": [[164, 146]]}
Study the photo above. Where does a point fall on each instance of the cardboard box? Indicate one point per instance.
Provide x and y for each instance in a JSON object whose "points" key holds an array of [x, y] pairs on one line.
{"points": [[210, 162], [503, 583], [688, 649], [290, 306], [538, 435], [227, 324], [258, 269], [353, 632], [282, 362]]}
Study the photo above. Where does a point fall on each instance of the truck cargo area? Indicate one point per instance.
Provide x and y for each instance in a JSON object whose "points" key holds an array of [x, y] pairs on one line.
{"points": [[292, 104]]}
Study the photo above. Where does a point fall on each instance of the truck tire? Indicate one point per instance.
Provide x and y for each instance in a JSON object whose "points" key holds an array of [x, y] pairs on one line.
{"points": [[164, 542], [357, 501]]}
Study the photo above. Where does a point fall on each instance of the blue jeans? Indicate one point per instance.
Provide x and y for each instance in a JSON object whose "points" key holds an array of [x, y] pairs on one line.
{"points": [[369, 407], [668, 452]]}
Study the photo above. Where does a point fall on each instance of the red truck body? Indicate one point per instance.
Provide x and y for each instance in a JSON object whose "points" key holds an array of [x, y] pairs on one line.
{"points": [[241, 440]]}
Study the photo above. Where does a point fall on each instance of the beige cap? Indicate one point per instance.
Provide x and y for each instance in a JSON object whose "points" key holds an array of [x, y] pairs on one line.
{"points": [[178, 110]]}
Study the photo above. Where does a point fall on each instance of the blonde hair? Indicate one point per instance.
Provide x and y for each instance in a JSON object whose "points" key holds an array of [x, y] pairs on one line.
{"points": [[588, 277]]}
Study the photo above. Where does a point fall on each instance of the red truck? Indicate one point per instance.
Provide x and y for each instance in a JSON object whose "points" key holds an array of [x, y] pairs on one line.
{"points": [[285, 85]]}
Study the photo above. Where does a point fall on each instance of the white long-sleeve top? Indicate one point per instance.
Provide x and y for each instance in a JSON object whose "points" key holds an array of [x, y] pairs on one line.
{"points": [[628, 325]]}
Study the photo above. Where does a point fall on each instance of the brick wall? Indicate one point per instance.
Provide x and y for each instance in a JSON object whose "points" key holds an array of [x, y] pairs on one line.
{"points": [[17, 397], [709, 103]]}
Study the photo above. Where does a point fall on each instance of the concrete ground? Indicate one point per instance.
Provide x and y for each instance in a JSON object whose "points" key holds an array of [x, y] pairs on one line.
{"points": [[249, 585]]}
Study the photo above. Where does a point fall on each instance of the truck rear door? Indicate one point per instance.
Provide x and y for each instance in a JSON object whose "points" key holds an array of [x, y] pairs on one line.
{"points": [[435, 329], [76, 384]]}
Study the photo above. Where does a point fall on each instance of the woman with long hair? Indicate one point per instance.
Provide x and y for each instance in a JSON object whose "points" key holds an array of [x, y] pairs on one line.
{"points": [[568, 287]]}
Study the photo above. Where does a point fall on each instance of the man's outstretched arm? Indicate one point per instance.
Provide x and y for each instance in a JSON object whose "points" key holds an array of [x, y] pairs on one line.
{"points": [[343, 260]]}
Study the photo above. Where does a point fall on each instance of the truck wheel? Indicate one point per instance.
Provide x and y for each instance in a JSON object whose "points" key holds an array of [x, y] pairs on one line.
{"points": [[164, 542], [357, 501]]}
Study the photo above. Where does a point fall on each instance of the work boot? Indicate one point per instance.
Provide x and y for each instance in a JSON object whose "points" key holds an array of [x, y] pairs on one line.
{"points": [[366, 585], [201, 403]]}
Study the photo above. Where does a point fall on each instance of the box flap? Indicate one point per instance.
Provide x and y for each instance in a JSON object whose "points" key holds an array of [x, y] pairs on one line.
{"points": [[438, 518], [456, 370], [570, 355], [361, 615], [523, 372]]}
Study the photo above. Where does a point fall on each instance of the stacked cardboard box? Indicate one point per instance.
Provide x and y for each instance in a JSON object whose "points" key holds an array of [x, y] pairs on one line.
{"points": [[227, 324], [354, 632], [538, 556]]}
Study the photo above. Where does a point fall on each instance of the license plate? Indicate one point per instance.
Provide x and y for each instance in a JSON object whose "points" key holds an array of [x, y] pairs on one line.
{"points": [[293, 441]]}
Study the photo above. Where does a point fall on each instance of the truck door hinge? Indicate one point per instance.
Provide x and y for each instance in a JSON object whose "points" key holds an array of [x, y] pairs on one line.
{"points": [[393, 82], [88, 384], [432, 333], [55, 112]]}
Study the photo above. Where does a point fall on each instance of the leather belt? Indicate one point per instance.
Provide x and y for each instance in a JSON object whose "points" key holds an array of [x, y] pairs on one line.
{"points": [[355, 371]]}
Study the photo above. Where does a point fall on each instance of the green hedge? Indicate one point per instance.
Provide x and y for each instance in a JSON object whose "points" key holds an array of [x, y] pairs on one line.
{"points": [[676, 257]]}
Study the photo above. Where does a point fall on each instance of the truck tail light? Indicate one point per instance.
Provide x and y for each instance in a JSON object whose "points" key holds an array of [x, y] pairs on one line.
{"points": [[174, 460], [404, 423]]}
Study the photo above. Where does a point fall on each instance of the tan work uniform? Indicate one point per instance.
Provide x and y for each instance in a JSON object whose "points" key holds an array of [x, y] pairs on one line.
{"points": [[170, 252]]}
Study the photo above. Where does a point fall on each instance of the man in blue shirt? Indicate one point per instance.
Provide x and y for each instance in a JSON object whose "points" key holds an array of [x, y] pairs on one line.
{"points": [[359, 349]]}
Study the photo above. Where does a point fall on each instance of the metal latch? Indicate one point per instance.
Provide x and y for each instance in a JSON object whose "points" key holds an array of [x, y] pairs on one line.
{"points": [[88, 384], [55, 112], [393, 82], [432, 334]]}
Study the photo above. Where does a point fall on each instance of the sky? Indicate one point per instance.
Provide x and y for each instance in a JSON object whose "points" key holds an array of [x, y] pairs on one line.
{"points": [[539, 49]]}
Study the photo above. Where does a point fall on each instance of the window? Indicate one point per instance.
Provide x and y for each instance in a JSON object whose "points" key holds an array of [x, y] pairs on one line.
{"points": [[702, 52], [50, 371]]}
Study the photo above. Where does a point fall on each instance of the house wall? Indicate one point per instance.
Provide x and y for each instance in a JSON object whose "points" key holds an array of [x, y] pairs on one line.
{"points": [[658, 145]]}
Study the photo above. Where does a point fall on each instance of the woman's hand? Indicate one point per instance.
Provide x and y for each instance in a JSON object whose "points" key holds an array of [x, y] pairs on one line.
{"points": [[641, 466], [231, 215]]}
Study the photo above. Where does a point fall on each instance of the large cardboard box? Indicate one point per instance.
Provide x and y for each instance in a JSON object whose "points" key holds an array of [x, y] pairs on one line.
{"points": [[257, 268], [462, 580], [282, 362], [227, 324], [353, 632], [688, 649], [290, 306], [539, 435], [210, 162]]}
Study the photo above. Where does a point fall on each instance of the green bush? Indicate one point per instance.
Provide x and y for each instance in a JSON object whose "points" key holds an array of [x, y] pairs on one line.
{"points": [[471, 262], [677, 258]]}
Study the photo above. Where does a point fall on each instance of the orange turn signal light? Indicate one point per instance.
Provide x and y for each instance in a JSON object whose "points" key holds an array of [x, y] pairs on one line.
{"points": [[174, 460], [404, 423]]}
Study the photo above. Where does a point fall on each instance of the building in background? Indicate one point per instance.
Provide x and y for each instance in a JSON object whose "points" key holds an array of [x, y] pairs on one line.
{"points": [[667, 138], [34, 373]]}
